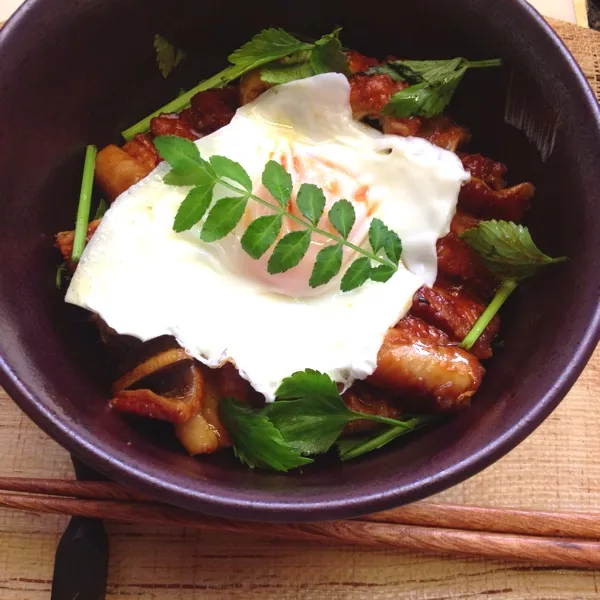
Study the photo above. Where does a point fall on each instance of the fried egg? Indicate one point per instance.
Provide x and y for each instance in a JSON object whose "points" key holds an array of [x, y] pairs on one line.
{"points": [[221, 305]]}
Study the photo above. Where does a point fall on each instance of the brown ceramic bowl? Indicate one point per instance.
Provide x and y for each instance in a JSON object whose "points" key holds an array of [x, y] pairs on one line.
{"points": [[77, 73]]}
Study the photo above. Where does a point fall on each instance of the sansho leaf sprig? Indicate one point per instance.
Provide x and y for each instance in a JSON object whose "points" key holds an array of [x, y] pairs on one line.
{"points": [[222, 216]]}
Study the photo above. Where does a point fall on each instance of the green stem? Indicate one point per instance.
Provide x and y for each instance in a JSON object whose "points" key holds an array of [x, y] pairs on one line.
{"points": [[380, 419], [182, 101], [385, 438], [505, 290], [340, 240], [85, 199], [484, 64]]}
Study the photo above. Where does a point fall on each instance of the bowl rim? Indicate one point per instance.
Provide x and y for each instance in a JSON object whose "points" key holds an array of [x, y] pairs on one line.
{"points": [[99, 458]]}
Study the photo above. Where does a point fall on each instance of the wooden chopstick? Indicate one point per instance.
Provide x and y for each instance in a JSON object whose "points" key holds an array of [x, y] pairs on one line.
{"points": [[557, 539], [425, 514]]}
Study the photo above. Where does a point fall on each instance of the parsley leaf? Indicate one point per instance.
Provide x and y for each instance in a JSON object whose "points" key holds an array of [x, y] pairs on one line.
{"points": [[256, 441], [508, 250], [167, 56]]}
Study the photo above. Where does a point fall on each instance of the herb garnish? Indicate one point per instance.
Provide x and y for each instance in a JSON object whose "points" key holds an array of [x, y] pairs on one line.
{"points": [[351, 448], [189, 168], [327, 56], [507, 250], [307, 419], [167, 56], [100, 209], [268, 46], [433, 82], [85, 198]]}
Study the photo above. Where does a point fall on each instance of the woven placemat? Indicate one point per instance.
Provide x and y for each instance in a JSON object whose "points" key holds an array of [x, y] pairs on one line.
{"points": [[557, 468]]}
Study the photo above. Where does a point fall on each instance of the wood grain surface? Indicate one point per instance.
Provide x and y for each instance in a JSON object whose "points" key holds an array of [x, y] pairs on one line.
{"points": [[557, 468]]}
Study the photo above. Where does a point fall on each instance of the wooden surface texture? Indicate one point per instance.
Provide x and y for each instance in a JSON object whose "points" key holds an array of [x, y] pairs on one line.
{"points": [[557, 468]]}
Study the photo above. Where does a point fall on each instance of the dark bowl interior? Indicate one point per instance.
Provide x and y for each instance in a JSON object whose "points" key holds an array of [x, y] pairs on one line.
{"points": [[78, 72]]}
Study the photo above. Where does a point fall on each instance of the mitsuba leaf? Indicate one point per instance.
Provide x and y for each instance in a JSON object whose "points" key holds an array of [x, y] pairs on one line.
{"points": [[266, 46], [256, 441], [167, 56]]}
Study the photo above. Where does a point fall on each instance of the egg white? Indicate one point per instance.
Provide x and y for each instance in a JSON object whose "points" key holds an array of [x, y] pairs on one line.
{"points": [[146, 280]]}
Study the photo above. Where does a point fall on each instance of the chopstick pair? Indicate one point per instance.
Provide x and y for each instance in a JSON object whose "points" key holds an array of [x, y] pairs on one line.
{"points": [[550, 538]]}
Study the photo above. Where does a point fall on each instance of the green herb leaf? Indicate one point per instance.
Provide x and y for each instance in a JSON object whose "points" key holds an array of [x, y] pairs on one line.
{"points": [[256, 441], [290, 250], [424, 98], [342, 217], [193, 208], [311, 202], [383, 273], [181, 154], [225, 167], [278, 181], [355, 447], [223, 217], [261, 235], [434, 83], [329, 57], [167, 56], [188, 167], [311, 425], [393, 247], [507, 249], [378, 234], [267, 46], [307, 384], [61, 271], [327, 265], [101, 209], [358, 273], [288, 69]]}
